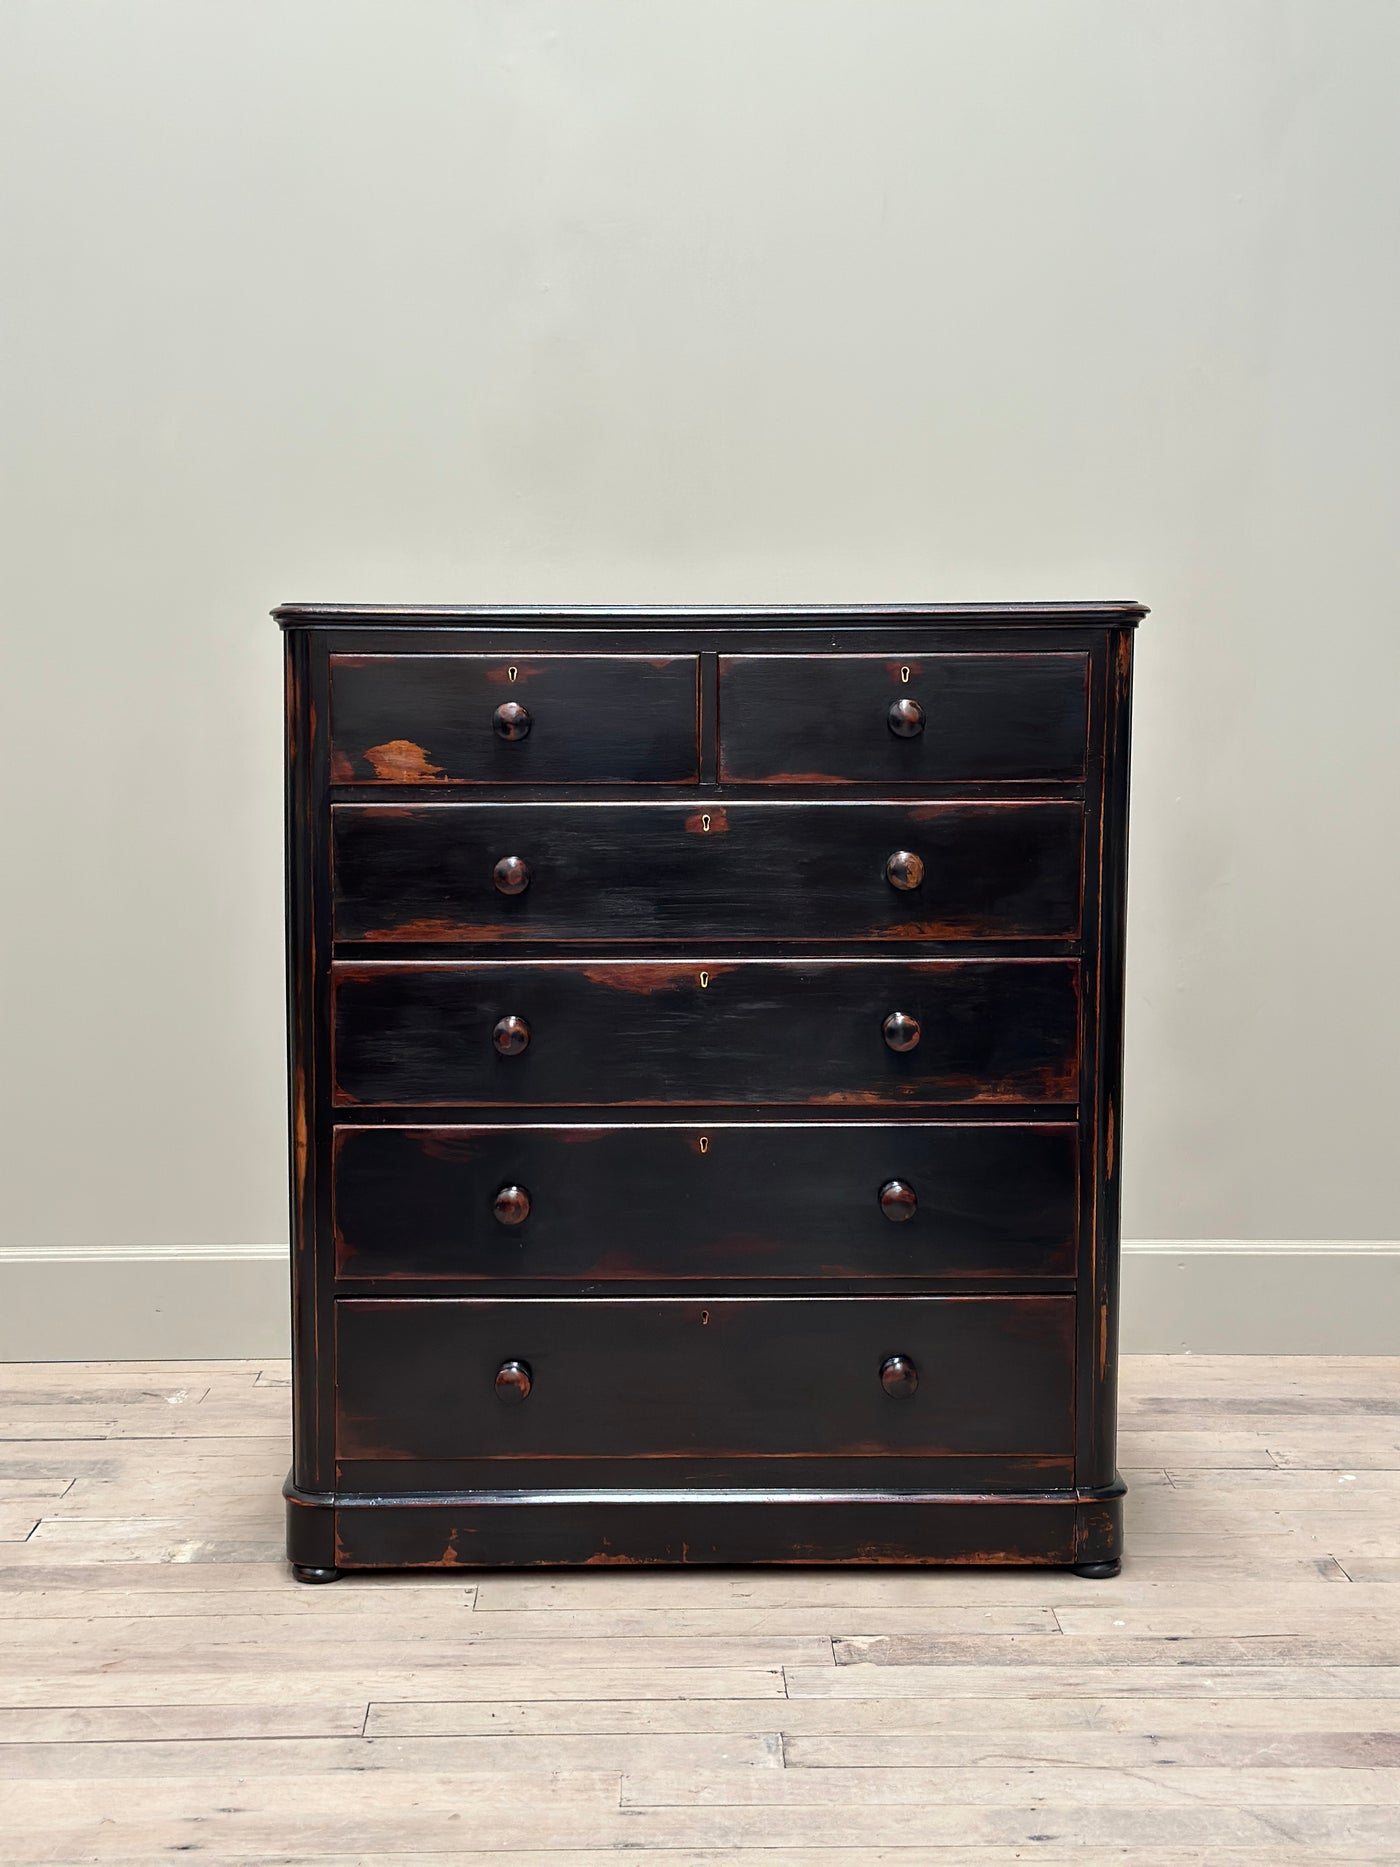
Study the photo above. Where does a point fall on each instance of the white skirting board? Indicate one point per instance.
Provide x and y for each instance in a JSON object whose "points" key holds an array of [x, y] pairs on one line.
{"points": [[1221, 1296]]}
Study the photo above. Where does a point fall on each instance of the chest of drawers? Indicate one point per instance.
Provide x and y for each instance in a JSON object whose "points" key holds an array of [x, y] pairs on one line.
{"points": [[705, 1032]]}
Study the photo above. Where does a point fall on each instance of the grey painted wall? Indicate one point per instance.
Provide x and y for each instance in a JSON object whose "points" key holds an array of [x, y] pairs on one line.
{"points": [[678, 300]]}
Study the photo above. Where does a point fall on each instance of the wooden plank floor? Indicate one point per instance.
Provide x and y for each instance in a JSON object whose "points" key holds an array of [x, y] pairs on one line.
{"points": [[167, 1690]]}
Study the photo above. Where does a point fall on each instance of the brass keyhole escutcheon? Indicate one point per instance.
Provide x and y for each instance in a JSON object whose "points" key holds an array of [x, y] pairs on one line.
{"points": [[511, 673], [704, 1317], [704, 820], [903, 675], [704, 980], [704, 1144]]}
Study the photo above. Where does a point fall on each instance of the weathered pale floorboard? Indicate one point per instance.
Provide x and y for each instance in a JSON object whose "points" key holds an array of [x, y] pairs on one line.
{"points": [[1156, 1720], [143, 1684], [473, 1757], [1021, 1679], [270, 1818], [999, 1785], [1232, 1701]]}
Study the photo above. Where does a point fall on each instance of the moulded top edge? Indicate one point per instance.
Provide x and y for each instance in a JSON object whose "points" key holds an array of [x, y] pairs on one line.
{"points": [[1121, 613]]}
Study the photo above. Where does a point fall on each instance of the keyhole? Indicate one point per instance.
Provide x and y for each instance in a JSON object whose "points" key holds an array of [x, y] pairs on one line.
{"points": [[704, 1317], [704, 980], [704, 820], [512, 672], [704, 1144], [903, 675]]}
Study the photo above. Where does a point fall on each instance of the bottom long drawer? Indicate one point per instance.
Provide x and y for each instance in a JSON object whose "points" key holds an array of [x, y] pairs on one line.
{"points": [[787, 1390]]}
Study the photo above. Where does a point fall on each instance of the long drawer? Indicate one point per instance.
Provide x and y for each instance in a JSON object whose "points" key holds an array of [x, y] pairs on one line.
{"points": [[874, 719], [620, 1033], [528, 719], [649, 1380], [464, 874], [718, 1205]]}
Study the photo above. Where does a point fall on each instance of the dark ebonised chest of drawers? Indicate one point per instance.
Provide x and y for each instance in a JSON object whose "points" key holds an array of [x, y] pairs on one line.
{"points": [[705, 1037]]}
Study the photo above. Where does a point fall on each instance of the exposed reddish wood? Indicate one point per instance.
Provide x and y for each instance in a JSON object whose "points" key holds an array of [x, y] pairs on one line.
{"points": [[399, 761], [619, 976], [428, 931], [1108, 1142]]}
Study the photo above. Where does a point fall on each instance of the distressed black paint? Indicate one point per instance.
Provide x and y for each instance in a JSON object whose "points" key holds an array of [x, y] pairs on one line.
{"points": [[917, 812]]}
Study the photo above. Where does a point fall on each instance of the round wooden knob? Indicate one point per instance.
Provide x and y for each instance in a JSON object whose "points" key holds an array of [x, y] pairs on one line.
{"points": [[511, 720], [906, 718], [904, 870], [901, 1032], [512, 875], [513, 1382], [898, 1376], [511, 1036], [898, 1201], [512, 1205]]}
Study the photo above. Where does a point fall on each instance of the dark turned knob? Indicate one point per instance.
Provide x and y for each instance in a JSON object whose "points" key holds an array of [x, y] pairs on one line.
{"points": [[513, 1382], [512, 875], [906, 718], [511, 720], [904, 869], [512, 1205], [511, 1036], [898, 1201], [900, 1030], [898, 1376]]}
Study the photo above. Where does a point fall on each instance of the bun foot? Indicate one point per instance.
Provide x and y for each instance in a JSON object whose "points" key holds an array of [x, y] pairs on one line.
{"points": [[304, 1574], [1099, 1571]]}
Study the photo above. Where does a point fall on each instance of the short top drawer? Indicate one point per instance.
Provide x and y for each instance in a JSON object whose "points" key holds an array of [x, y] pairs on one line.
{"points": [[876, 719], [534, 719]]}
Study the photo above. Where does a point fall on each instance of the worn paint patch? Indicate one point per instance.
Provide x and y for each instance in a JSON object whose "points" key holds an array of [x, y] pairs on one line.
{"points": [[400, 761], [648, 979], [435, 930], [1108, 1146], [440, 1145], [342, 767], [951, 930], [639, 979], [783, 777], [299, 1132]]}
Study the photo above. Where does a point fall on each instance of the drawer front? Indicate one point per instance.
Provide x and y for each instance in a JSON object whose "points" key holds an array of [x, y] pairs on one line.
{"points": [[721, 1204], [826, 719], [462, 874], [625, 1033], [538, 719], [651, 1379]]}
